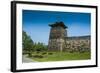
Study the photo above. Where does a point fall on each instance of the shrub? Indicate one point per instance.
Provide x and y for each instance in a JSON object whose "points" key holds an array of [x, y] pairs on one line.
{"points": [[44, 53], [30, 54], [37, 52], [50, 53], [38, 56]]}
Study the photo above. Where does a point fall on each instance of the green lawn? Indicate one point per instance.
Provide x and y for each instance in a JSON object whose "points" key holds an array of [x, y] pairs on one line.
{"points": [[60, 56]]}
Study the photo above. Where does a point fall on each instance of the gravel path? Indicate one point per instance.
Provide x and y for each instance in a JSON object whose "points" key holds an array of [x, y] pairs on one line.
{"points": [[26, 59]]}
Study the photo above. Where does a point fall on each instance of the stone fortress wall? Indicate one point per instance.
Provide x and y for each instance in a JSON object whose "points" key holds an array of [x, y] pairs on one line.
{"points": [[77, 44], [59, 40]]}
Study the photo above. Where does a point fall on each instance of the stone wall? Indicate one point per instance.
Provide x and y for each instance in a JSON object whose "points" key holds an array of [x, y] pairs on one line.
{"points": [[59, 40], [56, 44], [56, 37], [77, 44]]}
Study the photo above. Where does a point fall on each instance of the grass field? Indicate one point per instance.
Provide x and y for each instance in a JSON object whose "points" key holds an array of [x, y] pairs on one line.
{"points": [[60, 56]]}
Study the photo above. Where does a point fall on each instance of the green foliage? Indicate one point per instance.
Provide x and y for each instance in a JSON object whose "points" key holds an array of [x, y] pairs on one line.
{"points": [[37, 56], [29, 46], [50, 53], [39, 47], [27, 42]]}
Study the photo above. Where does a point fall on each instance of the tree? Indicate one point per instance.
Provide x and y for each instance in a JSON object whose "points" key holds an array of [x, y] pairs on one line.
{"points": [[39, 47], [27, 42], [29, 46]]}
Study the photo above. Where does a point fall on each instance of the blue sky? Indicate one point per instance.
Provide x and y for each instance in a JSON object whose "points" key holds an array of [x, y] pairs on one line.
{"points": [[35, 23]]}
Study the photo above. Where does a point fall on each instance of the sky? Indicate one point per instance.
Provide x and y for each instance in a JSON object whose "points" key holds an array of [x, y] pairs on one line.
{"points": [[35, 23]]}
